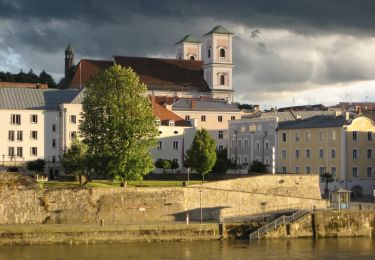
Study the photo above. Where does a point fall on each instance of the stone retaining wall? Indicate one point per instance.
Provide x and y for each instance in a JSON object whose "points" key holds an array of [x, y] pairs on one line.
{"points": [[220, 199], [343, 223]]}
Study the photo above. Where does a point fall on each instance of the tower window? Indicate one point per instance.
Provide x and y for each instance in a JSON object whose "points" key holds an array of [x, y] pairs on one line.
{"points": [[222, 53], [192, 57], [209, 53], [222, 79]]}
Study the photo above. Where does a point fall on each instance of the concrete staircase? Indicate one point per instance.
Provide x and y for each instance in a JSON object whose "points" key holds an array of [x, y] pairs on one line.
{"points": [[284, 219]]}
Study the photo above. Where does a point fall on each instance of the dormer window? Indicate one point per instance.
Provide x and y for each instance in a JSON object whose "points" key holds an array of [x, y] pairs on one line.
{"points": [[157, 122], [222, 53], [171, 123]]}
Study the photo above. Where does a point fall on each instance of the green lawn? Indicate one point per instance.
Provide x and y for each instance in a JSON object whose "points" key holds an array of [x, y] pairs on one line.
{"points": [[109, 184]]}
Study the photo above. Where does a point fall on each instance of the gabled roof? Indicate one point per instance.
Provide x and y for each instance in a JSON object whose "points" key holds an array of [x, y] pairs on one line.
{"points": [[219, 30], [85, 69], [158, 74], [188, 38], [167, 74], [164, 115], [204, 105], [40, 99]]}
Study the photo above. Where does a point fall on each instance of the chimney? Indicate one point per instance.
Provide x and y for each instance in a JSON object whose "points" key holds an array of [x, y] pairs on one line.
{"points": [[193, 104]]}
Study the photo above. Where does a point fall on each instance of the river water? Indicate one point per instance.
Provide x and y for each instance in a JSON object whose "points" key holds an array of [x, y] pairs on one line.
{"points": [[343, 248]]}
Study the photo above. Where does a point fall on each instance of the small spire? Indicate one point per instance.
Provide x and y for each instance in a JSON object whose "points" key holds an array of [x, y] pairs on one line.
{"points": [[69, 48]]}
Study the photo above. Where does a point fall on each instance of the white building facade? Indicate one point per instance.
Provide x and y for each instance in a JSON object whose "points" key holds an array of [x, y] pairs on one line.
{"points": [[253, 140], [41, 123]]}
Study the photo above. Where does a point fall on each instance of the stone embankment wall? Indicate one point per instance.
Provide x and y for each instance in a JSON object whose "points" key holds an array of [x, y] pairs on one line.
{"points": [[218, 200], [78, 234], [343, 223]]}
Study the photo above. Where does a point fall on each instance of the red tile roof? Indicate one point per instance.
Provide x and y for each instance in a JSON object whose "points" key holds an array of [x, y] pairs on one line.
{"points": [[156, 73], [167, 74], [165, 115], [85, 69]]}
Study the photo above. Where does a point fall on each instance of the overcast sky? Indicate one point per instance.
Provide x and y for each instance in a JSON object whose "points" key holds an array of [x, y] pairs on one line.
{"points": [[285, 51]]}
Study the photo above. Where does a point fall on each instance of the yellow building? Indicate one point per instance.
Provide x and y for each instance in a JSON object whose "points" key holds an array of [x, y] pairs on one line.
{"points": [[338, 145]]}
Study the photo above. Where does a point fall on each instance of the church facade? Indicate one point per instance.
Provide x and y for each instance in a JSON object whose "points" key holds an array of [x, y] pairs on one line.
{"points": [[199, 69]]}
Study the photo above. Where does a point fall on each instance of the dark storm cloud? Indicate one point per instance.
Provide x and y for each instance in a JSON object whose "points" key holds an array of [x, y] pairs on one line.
{"points": [[38, 31], [319, 15]]}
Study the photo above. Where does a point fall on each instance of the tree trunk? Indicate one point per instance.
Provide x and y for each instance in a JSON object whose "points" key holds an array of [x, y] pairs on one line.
{"points": [[124, 184], [202, 178], [326, 190], [80, 180]]}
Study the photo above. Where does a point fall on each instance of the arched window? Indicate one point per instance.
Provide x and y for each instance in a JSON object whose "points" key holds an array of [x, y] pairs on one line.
{"points": [[192, 57], [222, 53], [222, 79], [209, 53]]}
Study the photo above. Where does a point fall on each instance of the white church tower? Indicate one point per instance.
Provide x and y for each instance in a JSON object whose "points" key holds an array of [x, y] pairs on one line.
{"points": [[218, 62], [188, 48]]}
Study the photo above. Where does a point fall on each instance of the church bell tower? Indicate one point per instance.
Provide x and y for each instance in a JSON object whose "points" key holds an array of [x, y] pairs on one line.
{"points": [[188, 48], [69, 61], [218, 62]]}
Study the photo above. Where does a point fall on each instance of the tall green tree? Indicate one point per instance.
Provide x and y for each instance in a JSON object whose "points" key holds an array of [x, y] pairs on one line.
{"points": [[118, 124], [74, 160], [45, 78], [201, 156]]}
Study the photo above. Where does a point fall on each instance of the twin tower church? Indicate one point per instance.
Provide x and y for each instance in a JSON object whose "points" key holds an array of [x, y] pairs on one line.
{"points": [[199, 70]]}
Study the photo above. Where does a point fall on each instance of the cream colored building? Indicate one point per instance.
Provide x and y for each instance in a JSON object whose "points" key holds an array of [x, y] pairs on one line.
{"points": [[338, 145], [175, 136], [253, 137], [212, 115]]}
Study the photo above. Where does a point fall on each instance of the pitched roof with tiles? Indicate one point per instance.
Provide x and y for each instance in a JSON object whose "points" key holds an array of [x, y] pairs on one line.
{"points": [[164, 115], [204, 105], [158, 74], [167, 74], [85, 69], [188, 38], [39, 99]]}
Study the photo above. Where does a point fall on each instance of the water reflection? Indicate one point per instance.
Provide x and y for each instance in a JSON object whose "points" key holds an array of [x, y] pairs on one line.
{"points": [[343, 248]]}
